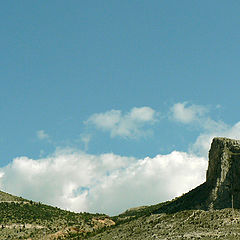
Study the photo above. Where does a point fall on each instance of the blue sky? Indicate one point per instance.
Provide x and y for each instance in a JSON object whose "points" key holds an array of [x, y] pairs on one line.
{"points": [[129, 78]]}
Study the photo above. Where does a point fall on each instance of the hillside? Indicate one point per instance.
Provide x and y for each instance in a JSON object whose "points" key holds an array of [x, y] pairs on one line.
{"points": [[188, 224], [5, 197], [23, 219], [210, 211]]}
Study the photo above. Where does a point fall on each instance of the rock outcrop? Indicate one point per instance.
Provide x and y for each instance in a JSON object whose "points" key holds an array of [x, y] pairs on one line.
{"points": [[222, 186], [223, 173]]}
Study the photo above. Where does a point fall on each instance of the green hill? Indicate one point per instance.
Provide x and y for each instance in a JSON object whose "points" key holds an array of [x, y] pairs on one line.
{"points": [[8, 197], [24, 219]]}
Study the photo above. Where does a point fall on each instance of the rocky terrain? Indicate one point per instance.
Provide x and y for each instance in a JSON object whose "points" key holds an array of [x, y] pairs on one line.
{"points": [[210, 211], [188, 224]]}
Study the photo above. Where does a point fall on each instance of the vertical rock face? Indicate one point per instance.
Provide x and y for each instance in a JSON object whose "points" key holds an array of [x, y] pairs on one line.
{"points": [[222, 186], [223, 174]]}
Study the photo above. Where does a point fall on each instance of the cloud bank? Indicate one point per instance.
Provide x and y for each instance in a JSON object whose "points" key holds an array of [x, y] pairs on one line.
{"points": [[106, 183]]}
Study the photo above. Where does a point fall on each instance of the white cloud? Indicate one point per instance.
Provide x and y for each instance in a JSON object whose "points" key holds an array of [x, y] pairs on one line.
{"points": [[143, 114], [214, 129], [209, 127], [102, 183], [187, 114], [124, 125], [41, 134], [85, 138], [149, 181], [111, 183]]}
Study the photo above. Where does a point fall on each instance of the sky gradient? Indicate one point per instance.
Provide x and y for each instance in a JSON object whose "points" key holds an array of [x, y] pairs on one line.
{"points": [[94, 92]]}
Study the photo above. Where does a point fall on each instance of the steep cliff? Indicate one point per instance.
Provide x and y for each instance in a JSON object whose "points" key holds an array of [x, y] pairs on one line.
{"points": [[222, 186], [223, 173]]}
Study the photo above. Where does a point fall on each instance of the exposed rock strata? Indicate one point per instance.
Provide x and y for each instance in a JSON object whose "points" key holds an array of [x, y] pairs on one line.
{"points": [[222, 186], [224, 173]]}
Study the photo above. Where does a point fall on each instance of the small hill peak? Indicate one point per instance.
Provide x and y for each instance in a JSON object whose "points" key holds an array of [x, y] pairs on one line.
{"points": [[6, 197]]}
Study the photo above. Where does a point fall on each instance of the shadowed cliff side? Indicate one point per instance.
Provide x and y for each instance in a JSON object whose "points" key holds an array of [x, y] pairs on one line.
{"points": [[222, 186]]}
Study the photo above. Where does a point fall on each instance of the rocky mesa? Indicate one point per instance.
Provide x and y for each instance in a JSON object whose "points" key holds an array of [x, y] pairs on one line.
{"points": [[222, 186]]}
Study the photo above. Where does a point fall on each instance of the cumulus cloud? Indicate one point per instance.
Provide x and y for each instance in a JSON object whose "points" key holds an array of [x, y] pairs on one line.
{"points": [[106, 183], [129, 125], [41, 134], [149, 181], [185, 113]]}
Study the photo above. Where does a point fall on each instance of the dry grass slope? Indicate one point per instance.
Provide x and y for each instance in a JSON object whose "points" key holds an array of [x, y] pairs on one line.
{"points": [[188, 224]]}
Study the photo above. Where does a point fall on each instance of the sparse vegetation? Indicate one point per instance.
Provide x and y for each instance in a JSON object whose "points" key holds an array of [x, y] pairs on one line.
{"points": [[188, 224], [23, 219]]}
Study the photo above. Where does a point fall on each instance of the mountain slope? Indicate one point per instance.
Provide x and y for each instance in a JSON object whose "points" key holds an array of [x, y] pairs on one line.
{"points": [[210, 211], [8, 197], [189, 224], [23, 219]]}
